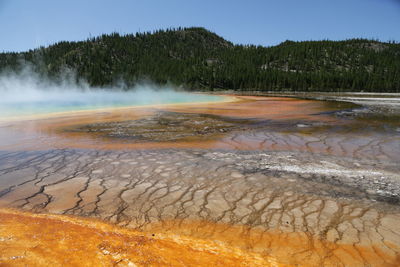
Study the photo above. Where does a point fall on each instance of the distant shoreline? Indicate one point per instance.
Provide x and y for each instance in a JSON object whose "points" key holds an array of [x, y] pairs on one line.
{"points": [[295, 93], [386, 101]]}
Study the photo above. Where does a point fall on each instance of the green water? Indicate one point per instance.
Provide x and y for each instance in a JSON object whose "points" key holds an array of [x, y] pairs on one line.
{"points": [[53, 102]]}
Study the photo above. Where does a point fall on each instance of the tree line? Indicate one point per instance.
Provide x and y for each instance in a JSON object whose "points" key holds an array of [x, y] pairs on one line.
{"points": [[198, 59]]}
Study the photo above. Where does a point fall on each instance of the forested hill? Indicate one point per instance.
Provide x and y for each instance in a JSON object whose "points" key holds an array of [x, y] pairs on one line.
{"points": [[198, 59]]}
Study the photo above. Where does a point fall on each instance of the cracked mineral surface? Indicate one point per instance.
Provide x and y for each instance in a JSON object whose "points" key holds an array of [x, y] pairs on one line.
{"points": [[269, 182]]}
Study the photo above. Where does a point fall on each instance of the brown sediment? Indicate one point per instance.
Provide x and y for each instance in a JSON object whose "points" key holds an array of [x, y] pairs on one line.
{"points": [[54, 240], [44, 240], [291, 248], [262, 107]]}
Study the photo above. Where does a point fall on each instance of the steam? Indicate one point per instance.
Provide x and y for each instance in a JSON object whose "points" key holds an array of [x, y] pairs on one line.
{"points": [[27, 93], [28, 87]]}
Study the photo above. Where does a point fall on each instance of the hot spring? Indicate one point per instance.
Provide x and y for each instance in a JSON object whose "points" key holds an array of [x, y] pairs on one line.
{"points": [[36, 101]]}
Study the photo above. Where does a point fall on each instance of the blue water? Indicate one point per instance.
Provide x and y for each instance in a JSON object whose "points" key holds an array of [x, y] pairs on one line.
{"points": [[33, 103]]}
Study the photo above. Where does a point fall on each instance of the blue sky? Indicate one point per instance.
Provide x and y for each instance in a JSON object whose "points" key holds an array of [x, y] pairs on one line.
{"points": [[26, 24]]}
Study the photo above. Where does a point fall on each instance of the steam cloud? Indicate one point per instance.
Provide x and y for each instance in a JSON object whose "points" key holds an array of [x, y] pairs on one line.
{"points": [[26, 93]]}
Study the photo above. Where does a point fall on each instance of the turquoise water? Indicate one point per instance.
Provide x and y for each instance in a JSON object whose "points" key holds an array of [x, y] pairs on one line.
{"points": [[61, 101]]}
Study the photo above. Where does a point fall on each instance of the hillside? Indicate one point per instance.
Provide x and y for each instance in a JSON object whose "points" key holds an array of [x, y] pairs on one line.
{"points": [[198, 59]]}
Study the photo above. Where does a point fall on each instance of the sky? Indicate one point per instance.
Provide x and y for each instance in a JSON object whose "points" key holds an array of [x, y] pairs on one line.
{"points": [[27, 24]]}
